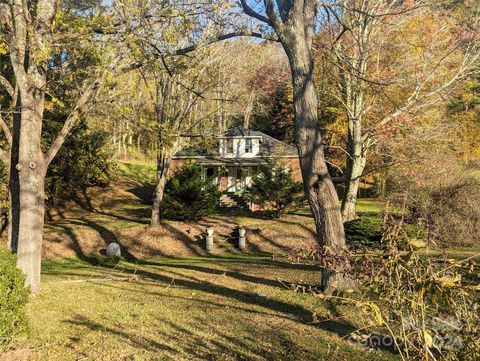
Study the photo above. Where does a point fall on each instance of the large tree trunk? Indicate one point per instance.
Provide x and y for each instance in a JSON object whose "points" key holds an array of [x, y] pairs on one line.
{"points": [[319, 189], [356, 161], [163, 164], [29, 250], [30, 171], [294, 24]]}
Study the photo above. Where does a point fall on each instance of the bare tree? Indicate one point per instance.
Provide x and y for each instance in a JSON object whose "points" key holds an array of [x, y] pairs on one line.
{"points": [[383, 72], [174, 110], [294, 24]]}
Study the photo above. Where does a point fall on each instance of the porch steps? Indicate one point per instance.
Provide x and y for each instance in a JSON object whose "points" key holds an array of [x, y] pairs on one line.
{"points": [[233, 201]]}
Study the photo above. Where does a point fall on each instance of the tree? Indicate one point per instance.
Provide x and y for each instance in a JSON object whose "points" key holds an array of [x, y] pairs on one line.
{"points": [[85, 161], [274, 186], [272, 106], [173, 108], [386, 74], [29, 32], [294, 22], [189, 196]]}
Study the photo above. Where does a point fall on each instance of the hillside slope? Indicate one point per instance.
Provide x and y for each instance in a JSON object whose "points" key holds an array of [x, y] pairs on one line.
{"points": [[121, 214]]}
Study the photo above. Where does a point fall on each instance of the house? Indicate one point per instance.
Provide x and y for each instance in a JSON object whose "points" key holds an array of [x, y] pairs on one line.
{"points": [[240, 151]]}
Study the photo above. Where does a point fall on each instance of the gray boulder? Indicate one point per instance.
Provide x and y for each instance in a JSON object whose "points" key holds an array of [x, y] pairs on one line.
{"points": [[113, 250]]}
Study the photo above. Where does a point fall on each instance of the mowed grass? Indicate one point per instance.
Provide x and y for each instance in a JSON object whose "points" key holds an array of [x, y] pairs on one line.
{"points": [[228, 308]]}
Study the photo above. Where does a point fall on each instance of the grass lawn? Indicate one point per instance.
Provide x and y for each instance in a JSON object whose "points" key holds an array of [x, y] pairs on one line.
{"points": [[224, 308], [181, 304]]}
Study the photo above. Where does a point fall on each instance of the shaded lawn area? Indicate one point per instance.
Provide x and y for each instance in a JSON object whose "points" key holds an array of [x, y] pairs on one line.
{"points": [[365, 206], [224, 308]]}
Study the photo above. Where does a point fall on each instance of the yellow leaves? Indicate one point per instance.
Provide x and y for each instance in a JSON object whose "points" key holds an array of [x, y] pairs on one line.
{"points": [[450, 281], [417, 243], [169, 36], [3, 49], [427, 337], [58, 102], [222, 5], [475, 287], [373, 310], [50, 104], [60, 18]]}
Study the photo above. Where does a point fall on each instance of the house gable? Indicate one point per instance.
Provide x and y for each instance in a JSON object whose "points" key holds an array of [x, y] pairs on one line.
{"points": [[240, 143]]}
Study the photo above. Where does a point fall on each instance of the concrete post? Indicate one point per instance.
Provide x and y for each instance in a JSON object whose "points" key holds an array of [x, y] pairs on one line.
{"points": [[209, 240], [241, 239]]}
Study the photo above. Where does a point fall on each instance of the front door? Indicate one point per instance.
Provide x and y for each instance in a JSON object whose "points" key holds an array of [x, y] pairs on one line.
{"points": [[236, 179], [232, 179]]}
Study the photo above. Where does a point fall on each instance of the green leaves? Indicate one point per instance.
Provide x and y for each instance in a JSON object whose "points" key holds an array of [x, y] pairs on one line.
{"points": [[274, 186], [188, 196], [13, 298]]}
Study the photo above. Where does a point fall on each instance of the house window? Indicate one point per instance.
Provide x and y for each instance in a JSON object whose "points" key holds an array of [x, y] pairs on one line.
{"points": [[210, 172], [248, 146], [229, 146]]}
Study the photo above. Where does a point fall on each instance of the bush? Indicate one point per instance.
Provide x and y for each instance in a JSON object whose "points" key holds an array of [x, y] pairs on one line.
{"points": [[13, 298], [449, 210], [86, 160], [425, 306], [441, 193], [369, 231], [274, 186], [364, 231], [188, 196]]}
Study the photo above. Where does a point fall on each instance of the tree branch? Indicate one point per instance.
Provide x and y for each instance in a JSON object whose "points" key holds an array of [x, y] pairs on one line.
{"points": [[252, 13], [222, 37], [6, 130], [8, 87], [71, 121], [274, 20]]}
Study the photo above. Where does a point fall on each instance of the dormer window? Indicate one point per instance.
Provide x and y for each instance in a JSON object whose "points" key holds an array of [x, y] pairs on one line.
{"points": [[248, 146], [229, 146]]}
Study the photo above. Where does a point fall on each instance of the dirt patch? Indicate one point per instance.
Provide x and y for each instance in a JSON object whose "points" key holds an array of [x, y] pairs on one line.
{"points": [[90, 234], [120, 213], [16, 355]]}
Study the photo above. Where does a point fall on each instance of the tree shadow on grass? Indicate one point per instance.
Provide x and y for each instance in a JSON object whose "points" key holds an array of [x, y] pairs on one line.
{"points": [[187, 337], [190, 333], [139, 341], [107, 236], [296, 312], [233, 274], [226, 345]]}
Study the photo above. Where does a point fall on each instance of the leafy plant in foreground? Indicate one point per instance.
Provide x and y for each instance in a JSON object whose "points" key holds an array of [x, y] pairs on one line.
{"points": [[13, 298]]}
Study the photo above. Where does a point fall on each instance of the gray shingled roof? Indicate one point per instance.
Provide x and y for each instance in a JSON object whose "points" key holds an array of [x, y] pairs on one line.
{"points": [[243, 132], [269, 146]]}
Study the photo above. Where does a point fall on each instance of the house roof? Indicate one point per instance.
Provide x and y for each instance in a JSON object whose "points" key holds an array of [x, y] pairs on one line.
{"points": [[269, 146], [243, 132], [220, 161]]}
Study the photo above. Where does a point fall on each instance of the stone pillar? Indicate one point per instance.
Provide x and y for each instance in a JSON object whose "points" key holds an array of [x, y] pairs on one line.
{"points": [[209, 240], [241, 239]]}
